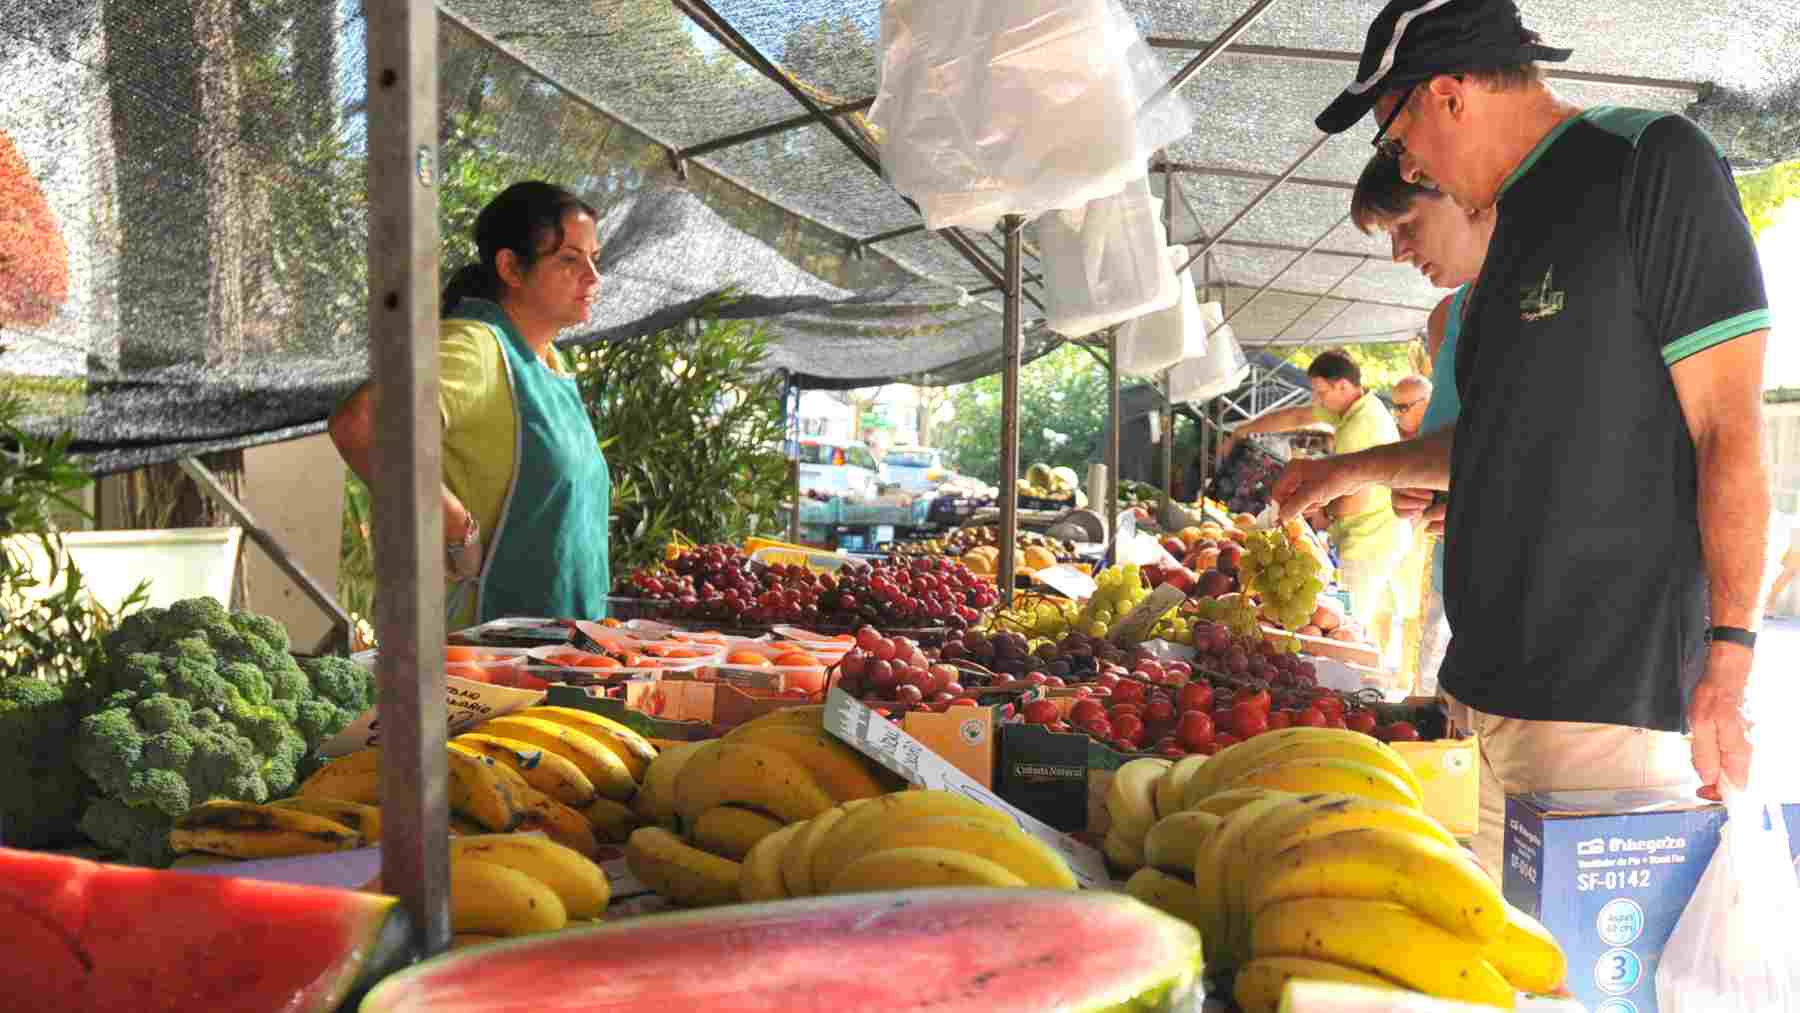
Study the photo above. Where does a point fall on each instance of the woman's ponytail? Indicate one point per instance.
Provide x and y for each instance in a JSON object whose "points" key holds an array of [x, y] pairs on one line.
{"points": [[471, 281]]}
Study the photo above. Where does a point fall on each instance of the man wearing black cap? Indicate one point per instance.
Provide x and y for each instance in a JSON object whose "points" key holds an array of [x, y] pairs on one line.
{"points": [[1611, 493]]}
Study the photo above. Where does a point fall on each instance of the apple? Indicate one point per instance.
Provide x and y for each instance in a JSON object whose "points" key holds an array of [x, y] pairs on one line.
{"points": [[1086, 709], [1124, 708], [1099, 728], [1160, 710], [1129, 691], [1196, 730], [1130, 728], [1041, 712], [1196, 696], [1229, 555], [1214, 584], [1174, 546]]}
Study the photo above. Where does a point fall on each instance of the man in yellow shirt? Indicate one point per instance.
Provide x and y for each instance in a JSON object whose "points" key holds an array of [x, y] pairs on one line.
{"points": [[1370, 539]]}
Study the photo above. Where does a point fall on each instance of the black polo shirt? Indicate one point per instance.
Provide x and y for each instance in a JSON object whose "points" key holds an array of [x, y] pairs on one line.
{"points": [[1574, 579]]}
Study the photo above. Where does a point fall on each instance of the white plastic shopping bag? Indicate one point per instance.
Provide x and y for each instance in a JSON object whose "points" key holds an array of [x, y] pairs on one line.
{"points": [[1220, 371], [1735, 947], [1104, 263], [1153, 342]]}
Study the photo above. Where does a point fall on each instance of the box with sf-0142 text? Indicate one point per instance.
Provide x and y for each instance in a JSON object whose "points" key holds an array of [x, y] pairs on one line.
{"points": [[1609, 873]]}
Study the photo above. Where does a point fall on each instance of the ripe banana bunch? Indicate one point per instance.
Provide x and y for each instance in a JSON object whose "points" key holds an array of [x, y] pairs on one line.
{"points": [[1131, 810], [521, 884], [1303, 760], [904, 840], [246, 830]]}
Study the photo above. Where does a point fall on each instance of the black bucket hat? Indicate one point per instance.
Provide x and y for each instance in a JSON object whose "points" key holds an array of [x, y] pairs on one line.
{"points": [[1414, 40]]}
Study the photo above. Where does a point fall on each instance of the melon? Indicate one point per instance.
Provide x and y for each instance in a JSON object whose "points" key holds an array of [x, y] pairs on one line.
{"points": [[81, 936], [995, 951]]}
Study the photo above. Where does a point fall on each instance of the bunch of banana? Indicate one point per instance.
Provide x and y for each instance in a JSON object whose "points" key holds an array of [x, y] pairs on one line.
{"points": [[1131, 811], [245, 830], [707, 806], [520, 884], [904, 840]]}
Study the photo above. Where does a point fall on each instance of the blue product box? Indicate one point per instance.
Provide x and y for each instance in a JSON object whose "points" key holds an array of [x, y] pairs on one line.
{"points": [[1609, 873]]}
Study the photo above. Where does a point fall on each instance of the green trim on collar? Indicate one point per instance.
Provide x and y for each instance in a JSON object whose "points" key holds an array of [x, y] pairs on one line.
{"points": [[1538, 152], [1624, 121], [1714, 334]]}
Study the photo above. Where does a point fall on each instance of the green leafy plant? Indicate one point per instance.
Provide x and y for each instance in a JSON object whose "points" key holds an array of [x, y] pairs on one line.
{"points": [[1062, 415], [691, 423]]}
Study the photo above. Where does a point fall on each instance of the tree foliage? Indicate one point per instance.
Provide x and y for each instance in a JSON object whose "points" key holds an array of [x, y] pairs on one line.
{"points": [[1062, 414], [1765, 192]]}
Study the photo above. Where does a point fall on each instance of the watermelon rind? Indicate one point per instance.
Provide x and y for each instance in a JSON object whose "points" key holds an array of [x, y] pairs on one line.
{"points": [[1159, 966]]}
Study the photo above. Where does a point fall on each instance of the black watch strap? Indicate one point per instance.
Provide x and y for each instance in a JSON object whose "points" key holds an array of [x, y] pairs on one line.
{"points": [[1732, 635]]}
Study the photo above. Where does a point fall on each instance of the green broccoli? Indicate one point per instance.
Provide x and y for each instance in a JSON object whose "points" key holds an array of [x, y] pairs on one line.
{"points": [[197, 703], [138, 834], [41, 791]]}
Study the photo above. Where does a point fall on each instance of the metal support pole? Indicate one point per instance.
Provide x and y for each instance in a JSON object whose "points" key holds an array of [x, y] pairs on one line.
{"points": [[1210, 53], [792, 403], [768, 130], [1114, 423], [277, 553], [408, 465], [1012, 346], [1289, 266], [1195, 169], [1168, 448], [1256, 202]]}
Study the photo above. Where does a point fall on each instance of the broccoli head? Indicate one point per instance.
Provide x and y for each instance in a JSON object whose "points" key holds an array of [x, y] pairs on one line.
{"points": [[343, 682], [319, 720], [251, 684], [287, 681], [42, 792], [262, 628], [138, 834]]}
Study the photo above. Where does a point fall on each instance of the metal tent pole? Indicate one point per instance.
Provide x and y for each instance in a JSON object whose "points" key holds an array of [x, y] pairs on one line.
{"points": [[1210, 53], [1289, 266], [1168, 448], [1012, 342], [1114, 424], [409, 527], [1256, 202]]}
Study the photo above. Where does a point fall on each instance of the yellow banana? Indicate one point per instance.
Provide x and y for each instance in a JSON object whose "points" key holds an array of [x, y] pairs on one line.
{"points": [[1382, 864], [1527, 955], [1123, 853], [460, 827], [1228, 763], [1176, 838], [760, 876], [1026, 857], [577, 882], [611, 821], [248, 830], [609, 774], [870, 820], [1166, 893], [918, 868], [840, 770], [484, 791], [497, 900], [655, 800], [755, 776], [1224, 803], [677, 870], [558, 822], [1171, 787], [1224, 929], [1243, 858], [1383, 938], [1322, 774], [799, 858], [352, 778], [732, 831], [549, 772], [1345, 746], [1131, 798], [1350, 812], [1258, 985], [632, 749], [364, 819], [805, 715]]}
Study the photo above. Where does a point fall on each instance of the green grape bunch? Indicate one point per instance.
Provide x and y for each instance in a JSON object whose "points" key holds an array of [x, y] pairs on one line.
{"points": [[1285, 576], [1118, 589]]}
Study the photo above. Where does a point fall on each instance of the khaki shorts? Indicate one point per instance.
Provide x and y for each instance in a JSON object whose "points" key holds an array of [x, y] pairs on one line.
{"points": [[1521, 756]]}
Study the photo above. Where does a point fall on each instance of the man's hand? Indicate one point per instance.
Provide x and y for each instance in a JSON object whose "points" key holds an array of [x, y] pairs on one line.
{"points": [[1415, 506], [1309, 482], [1716, 717]]}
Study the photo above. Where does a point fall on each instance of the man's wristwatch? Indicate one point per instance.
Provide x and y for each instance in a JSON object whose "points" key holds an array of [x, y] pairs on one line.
{"points": [[1732, 635], [457, 554]]}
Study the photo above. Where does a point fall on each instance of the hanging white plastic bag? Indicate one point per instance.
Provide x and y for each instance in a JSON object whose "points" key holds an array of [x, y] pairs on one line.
{"points": [[1020, 107], [1155, 341], [1104, 263], [1220, 371], [1735, 947]]}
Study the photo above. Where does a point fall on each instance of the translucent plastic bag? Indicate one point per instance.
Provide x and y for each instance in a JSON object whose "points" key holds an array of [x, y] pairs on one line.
{"points": [[1220, 371], [1155, 341], [1104, 263], [1735, 947], [1020, 107]]}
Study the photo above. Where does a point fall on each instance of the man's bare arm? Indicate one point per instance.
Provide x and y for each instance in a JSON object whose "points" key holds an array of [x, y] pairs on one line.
{"points": [[1423, 463]]}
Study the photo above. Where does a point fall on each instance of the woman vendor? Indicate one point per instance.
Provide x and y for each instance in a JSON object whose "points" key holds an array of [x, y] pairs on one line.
{"points": [[526, 491]]}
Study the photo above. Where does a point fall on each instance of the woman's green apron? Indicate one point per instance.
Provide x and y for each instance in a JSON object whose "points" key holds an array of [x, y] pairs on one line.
{"points": [[548, 554]]}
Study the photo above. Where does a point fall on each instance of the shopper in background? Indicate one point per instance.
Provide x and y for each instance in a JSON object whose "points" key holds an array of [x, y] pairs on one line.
{"points": [[1585, 563], [1411, 395], [1369, 538]]}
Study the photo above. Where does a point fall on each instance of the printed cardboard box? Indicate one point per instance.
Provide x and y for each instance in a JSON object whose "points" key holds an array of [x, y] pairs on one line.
{"points": [[1609, 873]]}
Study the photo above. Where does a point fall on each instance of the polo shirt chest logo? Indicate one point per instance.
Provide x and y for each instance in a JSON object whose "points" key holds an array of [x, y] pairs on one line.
{"points": [[1540, 301]]}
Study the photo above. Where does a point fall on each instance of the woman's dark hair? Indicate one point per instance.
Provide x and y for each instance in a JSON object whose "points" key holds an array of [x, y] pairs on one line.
{"points": [[520, 219], [1382, 193]]}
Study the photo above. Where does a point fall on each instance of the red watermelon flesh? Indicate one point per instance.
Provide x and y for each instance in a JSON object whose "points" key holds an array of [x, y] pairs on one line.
{"points": [[107, 938], [947, 951]]}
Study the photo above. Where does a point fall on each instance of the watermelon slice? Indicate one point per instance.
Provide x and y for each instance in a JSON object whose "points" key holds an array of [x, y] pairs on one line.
{"points": [[940, 950], [81, 936]]}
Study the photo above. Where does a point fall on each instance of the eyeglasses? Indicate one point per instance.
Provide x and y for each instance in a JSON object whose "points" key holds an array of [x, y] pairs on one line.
{"points": [[1402, 407], [1392, 147]]}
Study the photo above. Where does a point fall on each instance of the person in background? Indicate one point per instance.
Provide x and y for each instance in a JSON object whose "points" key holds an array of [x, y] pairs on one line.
{"points": [[526, 493], [1411, 395], [1603, 581], [1369, 538], [1784, 555]]}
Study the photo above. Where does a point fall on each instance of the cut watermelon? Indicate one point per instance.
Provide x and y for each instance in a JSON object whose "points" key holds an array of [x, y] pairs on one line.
{"points": [[940, 950], [82, 936]]}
